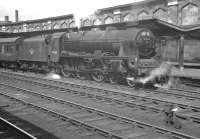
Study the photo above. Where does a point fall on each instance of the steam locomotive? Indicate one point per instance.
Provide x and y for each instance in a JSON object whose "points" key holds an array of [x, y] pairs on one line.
{"points": [[110, 54]]}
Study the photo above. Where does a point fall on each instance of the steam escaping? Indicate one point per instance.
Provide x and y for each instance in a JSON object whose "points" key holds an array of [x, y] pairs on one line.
{"points": [[163, 69], [53, 76], [130, 78], [175, 109], [166, 85]]}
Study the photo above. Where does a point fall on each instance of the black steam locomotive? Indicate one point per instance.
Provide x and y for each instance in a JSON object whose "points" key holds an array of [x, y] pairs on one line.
{"points": [[101, 55]]}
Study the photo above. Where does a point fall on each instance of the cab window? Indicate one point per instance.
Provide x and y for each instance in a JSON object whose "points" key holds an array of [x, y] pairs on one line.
{"points": [[9, 49], [1, 49]]}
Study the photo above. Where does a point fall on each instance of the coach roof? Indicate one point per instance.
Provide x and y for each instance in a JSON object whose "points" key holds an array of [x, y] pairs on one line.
{"points": [[5, 40]]}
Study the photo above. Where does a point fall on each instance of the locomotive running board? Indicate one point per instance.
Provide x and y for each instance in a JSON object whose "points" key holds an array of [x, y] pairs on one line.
{"points": [[98, 57]]}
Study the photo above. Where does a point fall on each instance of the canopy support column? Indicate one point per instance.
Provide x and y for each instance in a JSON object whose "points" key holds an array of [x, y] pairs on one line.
{"points": [[181, 51]]}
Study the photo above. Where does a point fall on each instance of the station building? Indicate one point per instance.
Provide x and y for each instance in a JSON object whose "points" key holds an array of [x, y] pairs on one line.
{"points": [[44, 24], [177, 12]]}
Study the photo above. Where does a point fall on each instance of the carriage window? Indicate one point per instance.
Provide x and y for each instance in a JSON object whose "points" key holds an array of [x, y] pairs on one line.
{"points": [[171, 50], [192, 51], [2, 49], [9, 49], [5, 48]]}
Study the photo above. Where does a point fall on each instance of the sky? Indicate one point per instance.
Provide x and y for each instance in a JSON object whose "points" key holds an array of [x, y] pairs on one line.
{"points": [[36, 9]]}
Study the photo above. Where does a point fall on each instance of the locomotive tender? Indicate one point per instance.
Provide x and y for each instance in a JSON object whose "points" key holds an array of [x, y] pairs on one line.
{"points": [[109, 54]]}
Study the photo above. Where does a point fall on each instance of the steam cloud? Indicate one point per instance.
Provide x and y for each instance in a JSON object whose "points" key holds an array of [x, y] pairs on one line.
{"points": [[163, 69], [53, 76]]}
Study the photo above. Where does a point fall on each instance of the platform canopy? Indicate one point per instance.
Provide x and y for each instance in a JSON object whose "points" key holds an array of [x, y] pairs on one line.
{"points": [[163, 28], [158, 27]]}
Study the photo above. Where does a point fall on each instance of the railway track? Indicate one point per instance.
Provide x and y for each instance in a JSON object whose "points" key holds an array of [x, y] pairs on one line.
{"points": [[10, 130], [108, 124], [117, 100], [62, 123], [191, 83], [148, 99], [13, 127]]}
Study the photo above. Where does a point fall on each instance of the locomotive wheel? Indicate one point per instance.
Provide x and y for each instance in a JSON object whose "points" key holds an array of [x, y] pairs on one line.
{"points": [[130, 82], [65, 73], [97, 76], [80, 76], [113, 79]]}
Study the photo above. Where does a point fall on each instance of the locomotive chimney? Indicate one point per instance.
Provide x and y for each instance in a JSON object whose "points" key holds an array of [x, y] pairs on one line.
{"points": [[6, 18], [16, 16]]}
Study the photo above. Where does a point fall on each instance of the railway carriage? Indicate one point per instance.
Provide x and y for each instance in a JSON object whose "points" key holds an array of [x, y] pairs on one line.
{"points": [[9, 52]]}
